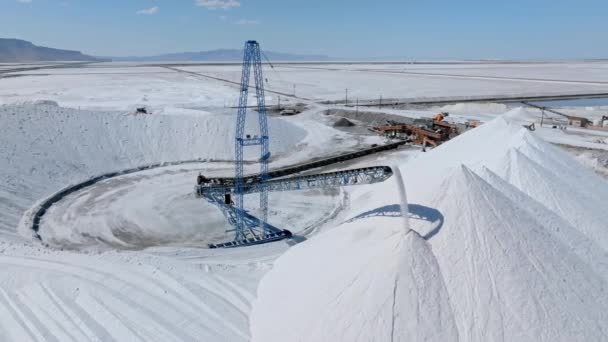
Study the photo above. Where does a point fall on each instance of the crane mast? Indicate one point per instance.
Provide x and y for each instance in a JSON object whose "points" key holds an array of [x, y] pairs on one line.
{"points": [[250, 229], [251, 58]]}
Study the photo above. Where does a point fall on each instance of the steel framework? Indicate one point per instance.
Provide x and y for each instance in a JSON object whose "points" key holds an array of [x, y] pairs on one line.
{"points": [[250, 222], [249, 229], [367, 175], [251, 58], [217, 193]]}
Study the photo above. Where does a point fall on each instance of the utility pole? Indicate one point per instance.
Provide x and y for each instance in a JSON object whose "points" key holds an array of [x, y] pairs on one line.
{"points": [[380, 103], [279, 105], [346, 98], [357, 106], [542, 117], [294, 89]]}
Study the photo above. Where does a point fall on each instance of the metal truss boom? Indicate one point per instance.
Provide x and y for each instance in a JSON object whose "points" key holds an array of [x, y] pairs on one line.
{"points": [[361, 176]]}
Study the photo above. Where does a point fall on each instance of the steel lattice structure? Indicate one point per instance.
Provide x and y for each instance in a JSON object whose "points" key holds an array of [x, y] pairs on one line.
{"points": [[249, 229], [251, 58], [215, 192], [367, 175]]}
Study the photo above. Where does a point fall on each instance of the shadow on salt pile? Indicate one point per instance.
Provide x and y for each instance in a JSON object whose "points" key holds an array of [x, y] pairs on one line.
{"points": [[415, 212], [296, 239]]}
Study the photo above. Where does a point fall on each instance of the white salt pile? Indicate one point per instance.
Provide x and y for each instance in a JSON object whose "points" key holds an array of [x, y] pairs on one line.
{"points": [[509, 245]]}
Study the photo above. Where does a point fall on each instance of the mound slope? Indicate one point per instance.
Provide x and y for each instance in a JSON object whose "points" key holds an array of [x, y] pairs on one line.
{"points": [[507, 276], [367, 284], [516, 261]]}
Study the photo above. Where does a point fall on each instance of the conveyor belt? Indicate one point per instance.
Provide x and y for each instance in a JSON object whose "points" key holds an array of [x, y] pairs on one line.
{"points": [[282, 172], [545, 109], [359, 176], [220, 191]]}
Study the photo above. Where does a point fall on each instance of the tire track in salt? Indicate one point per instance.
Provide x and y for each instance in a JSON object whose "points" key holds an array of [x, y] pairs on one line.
{"points": [[188, 305], [16, 317]]}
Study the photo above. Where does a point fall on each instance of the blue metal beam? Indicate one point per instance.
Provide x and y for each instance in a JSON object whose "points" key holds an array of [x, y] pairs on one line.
{"points": [[251, 58]]}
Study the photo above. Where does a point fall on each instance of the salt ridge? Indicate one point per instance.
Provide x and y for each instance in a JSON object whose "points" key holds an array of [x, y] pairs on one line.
{"points": [[510, 274]]}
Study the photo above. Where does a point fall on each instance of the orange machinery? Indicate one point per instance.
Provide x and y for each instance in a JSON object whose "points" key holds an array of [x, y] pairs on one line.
{"points": [[440, 116], [417, 135], [432, 132]]}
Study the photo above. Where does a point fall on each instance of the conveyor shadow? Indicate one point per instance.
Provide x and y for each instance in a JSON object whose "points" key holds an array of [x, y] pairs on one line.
{"points": [[296, 239], [415, 212]]}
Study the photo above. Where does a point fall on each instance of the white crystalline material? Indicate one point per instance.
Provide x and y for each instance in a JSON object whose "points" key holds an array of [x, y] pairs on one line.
{"points": [[561, 164], [471, 108], [587, 249], [45, 148], [521, 252], [118, 85], [48, 295], [562, 184], [367, 282], [521, 114], [483, 146], [561, 194], [508, 277]]}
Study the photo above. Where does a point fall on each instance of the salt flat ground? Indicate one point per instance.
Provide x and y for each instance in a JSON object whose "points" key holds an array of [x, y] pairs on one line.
{"points": [[328, 82], [530, 265], [121, 85]]}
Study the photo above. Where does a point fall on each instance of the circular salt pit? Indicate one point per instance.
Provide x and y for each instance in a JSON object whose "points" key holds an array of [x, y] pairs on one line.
{"points": [[158, 208]]}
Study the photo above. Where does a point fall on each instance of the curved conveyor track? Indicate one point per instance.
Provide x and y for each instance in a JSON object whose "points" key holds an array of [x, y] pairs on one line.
{"points": [[44, 206]]}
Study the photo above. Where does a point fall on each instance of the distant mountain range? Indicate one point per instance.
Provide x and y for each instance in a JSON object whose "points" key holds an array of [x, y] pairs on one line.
{"points": [[21, 51], [221, 55]]}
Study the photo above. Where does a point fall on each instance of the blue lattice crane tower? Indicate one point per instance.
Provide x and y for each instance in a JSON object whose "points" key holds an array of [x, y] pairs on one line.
{"points": [[251, 58], [249, 229]]}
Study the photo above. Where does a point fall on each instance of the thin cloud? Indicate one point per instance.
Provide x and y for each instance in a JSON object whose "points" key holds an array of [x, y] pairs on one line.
{"points": [[149, 11], [246, 22], [24, 1], [218, 4]]}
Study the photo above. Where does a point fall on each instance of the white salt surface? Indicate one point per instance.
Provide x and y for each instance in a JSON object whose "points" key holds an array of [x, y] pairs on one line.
{"points": [[508, 271], [508, 241]]}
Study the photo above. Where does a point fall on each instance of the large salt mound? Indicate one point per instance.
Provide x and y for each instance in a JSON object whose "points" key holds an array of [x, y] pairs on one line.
{"points": [[562, 195], [515, 268], [507, 276], [44, 148], [561, 164], [587, 249], [548, 175], [369, 280]]}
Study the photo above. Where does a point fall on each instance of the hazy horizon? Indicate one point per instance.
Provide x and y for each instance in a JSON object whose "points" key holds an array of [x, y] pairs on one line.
{"points": [[436, 29]]}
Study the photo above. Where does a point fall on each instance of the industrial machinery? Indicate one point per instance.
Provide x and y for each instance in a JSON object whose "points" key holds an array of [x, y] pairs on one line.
{"points": [[425, 132], [219, 191], [440, 116], [228, 193], [251, 57], [531, 127], [572, 120], [472, 123], [446, 127]]}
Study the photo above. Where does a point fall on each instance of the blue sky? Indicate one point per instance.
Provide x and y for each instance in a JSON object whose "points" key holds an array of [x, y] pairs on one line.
{"points": [[439, 29]]}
